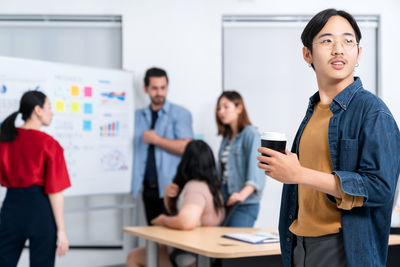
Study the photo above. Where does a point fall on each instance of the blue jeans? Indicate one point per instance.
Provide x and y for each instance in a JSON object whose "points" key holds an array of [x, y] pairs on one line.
{"points": [[244, 215]]}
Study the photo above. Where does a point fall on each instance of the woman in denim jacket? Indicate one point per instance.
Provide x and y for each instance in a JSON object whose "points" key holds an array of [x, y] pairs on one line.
{"points": [[241, 180]]}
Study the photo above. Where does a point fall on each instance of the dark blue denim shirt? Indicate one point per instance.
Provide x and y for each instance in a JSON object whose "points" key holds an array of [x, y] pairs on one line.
{"points": [[364, 145]]}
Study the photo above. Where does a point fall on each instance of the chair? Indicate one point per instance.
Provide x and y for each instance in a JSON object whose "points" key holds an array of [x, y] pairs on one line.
{"points": [[229, 210], [178, 256]]}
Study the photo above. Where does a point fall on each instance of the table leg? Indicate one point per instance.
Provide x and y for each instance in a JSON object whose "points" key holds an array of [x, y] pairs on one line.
{"points": [[203, 261], [151, 254]]}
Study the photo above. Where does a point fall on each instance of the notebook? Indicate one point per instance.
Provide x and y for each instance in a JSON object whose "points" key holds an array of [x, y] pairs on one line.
{"points": [[254, 238]]}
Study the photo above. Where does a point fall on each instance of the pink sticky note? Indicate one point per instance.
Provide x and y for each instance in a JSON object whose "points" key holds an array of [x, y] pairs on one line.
{"points": [[88, 91]]}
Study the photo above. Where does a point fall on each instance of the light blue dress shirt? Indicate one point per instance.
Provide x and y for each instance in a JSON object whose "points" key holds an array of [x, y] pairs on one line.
{"points": [[174, 122]]}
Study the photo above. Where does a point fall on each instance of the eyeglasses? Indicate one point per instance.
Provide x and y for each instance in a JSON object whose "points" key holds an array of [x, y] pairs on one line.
{"points": [[328, 42]]}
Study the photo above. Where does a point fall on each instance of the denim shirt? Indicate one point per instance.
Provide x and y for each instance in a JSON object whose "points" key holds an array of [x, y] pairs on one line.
{"points": [[242, 163], [174, 122], [364, 145]]}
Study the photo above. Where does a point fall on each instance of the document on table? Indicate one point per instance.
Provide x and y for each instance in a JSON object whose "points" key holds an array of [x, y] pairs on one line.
{"points": [[254, 238]]}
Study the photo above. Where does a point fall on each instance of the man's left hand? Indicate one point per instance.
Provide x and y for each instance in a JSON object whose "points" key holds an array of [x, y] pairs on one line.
{"points": [[284, 168]]}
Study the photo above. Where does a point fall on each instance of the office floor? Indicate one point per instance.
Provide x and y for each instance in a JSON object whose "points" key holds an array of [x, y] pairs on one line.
{"points": [[85, 258]]}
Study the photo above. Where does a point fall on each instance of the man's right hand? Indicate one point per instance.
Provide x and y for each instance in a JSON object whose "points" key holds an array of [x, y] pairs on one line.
{"points": [[150, 137], [171, 190]]}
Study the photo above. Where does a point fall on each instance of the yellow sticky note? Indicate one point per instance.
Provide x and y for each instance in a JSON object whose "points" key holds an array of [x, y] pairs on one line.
{"points": [[74, 90], [74, 106], [60, 106]]}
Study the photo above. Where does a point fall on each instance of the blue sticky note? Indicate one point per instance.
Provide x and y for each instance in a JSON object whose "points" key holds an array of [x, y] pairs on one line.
{"points": [[87, 125], [87, 108]]}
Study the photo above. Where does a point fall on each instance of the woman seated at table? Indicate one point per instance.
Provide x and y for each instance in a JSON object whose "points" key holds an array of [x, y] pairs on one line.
{"points": [[194, 199]]}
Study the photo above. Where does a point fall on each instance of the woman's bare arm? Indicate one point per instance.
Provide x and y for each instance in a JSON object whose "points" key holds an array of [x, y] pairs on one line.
{"points": [[187, 219], [57, 206]]}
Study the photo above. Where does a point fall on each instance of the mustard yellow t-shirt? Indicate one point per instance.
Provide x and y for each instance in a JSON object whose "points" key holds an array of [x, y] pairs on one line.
{"points": [[317, 216]]}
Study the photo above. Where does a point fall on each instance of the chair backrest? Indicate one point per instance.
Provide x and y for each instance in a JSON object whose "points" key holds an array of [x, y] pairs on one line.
{"points": [[229, 210]]}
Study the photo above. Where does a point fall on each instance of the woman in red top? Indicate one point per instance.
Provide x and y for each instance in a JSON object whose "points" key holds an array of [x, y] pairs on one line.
{"points": [[33, 169]]}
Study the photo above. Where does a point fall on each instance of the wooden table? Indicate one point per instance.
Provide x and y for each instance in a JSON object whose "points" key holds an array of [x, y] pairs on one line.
{"points": [[207, 242], [204, 241]]}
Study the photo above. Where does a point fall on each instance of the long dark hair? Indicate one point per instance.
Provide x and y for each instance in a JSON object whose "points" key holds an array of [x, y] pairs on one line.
{"points": [[243, 119], [198, 163], [27, 104]]}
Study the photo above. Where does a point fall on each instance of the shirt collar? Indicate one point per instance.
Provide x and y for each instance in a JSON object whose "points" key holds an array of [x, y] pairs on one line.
{"points": [[165, 108], [238, 134], [343, 98]]}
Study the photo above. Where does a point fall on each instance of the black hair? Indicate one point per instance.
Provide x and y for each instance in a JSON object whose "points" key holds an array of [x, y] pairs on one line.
{"points": [[315, 25], [154, 72], [198, 163], [27, 104]]}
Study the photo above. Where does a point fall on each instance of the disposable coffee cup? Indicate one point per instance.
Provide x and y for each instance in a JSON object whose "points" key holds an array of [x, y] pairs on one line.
{"points": [[273, 140]]}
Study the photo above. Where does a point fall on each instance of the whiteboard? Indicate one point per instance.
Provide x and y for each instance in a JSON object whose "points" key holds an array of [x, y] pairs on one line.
{"points": [[263, 60], [93, 118]]}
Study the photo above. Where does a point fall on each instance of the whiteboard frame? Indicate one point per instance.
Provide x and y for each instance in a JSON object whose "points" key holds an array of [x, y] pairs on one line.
{"points": [[52, 68]]}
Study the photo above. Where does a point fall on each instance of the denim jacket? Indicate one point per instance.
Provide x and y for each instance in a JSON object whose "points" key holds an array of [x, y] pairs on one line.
{"points": [[364, 145], [242, 163]]}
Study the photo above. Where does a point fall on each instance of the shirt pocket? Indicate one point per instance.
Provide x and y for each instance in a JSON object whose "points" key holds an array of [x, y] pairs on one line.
{"points": [[348, 154], [167, 128]]}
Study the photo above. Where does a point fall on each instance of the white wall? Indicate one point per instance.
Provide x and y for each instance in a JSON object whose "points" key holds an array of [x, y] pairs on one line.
{"points": [[184, 37]]}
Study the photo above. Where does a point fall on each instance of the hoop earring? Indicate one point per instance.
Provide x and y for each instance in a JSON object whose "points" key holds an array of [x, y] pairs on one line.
{"points": [[309, 65], [356, 65]]}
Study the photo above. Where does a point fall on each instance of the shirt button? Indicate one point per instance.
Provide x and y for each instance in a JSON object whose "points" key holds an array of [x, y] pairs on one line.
{"points": [[290, 216], [288, 239]]}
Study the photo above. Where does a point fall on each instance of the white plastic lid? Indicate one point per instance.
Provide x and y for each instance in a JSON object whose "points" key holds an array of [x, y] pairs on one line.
{"points": [[273, 136]]}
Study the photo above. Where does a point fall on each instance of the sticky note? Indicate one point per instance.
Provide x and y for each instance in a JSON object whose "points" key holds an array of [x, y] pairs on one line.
{"points": [[87, 125], [3, 89], [88, 91], [74, 106], [74, 90], [60, 91], [88, 108], [60, 106]]}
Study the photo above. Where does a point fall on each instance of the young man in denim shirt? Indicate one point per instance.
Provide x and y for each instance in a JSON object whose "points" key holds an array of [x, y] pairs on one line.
{"points": [[162, 131], [340, 179]]}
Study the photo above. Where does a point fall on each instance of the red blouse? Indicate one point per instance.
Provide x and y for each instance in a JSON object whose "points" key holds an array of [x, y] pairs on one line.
{"points": [[33, 158]]}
